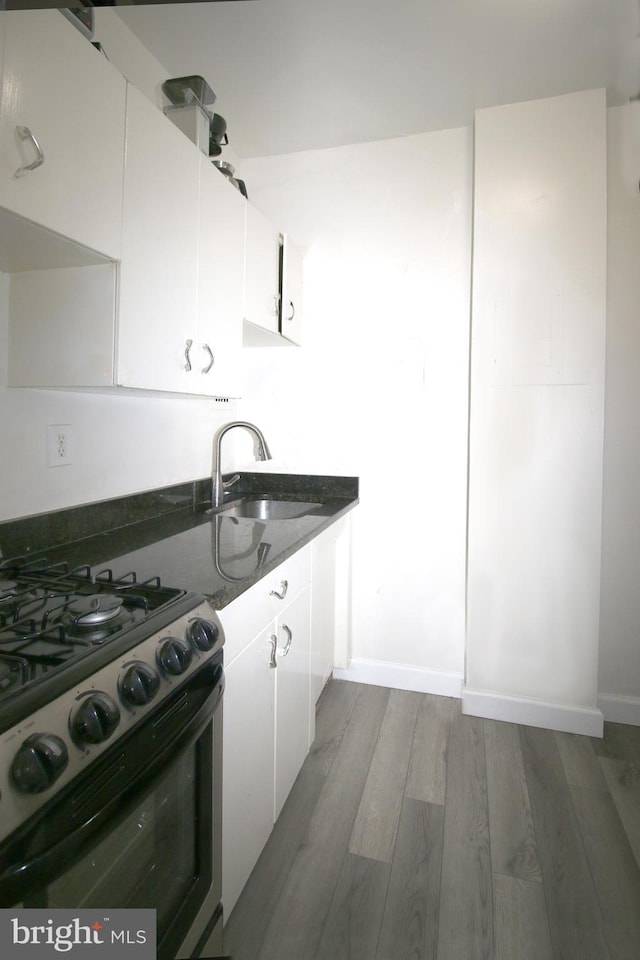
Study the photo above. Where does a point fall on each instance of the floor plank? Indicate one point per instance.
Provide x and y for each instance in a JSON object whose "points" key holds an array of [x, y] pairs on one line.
{"points": [[465, 926], [353, 923], [513, 841], [579, 761], [333, 714], [573, 911], [376, 824], [428, 765], [297, 922], [615, 872], [619, 742], [410, 923], [623, 780], [520, 921]]}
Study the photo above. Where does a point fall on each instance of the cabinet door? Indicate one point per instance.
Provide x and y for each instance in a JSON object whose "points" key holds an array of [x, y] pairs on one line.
{"points": [[158, 274], [291, 308], [261, 281], [220, 283], [330, 603], [58, 86], [247, 801], [293, 703]]}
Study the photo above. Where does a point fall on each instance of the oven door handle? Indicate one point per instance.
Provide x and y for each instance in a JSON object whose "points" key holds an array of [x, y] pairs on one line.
{"points": [[21, 876]]}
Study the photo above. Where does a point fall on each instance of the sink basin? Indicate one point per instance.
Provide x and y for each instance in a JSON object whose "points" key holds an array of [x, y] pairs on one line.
{"points": [[264, 509]]}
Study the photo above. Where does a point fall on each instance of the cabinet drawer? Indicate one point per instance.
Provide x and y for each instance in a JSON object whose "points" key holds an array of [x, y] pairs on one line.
{"points": [[244, 617]]}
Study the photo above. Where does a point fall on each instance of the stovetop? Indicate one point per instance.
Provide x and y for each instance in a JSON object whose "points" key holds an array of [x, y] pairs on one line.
{"points": [[52, 616]]}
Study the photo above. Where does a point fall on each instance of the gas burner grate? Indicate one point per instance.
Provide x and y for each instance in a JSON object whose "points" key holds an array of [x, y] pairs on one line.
{"points": [[53, 613]]}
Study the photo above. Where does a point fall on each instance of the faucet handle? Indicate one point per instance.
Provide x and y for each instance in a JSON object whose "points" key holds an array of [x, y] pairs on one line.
{"points": [[229, 483]]}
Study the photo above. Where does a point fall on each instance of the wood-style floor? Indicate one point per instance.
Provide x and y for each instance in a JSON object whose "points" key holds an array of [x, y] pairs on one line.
{"points": [[415, 832]]}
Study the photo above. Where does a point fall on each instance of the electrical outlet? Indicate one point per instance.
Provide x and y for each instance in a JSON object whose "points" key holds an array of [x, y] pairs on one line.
{"points": [[59, 445]]}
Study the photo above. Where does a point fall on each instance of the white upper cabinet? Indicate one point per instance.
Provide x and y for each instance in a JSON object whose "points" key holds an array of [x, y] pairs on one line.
{"points": [[181, 276], [261, 271], [63, 101], [159, 269], [291, 298], [220, 283], [173, 321]]}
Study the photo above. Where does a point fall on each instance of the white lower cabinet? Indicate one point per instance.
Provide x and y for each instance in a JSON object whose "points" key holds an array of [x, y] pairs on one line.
{"points": [[268, 723], [330, 603], [249, 753], [293, 723]]}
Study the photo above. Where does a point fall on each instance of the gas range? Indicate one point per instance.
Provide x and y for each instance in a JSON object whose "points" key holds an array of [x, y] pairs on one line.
{"points": [[85, 658]]}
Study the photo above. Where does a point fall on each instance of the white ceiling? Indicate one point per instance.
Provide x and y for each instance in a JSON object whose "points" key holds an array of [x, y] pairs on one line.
{"points": [[300, 74]]}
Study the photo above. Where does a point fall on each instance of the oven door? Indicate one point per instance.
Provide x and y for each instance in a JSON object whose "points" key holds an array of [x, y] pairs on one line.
{"points": [[141, 828]]}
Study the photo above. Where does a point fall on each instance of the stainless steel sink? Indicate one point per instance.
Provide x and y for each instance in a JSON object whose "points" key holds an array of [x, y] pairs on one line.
{"points": [[264, 509]]}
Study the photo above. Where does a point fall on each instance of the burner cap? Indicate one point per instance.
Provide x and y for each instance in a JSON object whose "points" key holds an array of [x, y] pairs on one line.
{"points": [[100, 608], [10, 673]]}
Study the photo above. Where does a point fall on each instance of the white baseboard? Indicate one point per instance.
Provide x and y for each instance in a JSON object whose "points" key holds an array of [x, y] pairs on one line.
{"points": [[620, 709], [532, 713], [479, 703], [400, 676]]}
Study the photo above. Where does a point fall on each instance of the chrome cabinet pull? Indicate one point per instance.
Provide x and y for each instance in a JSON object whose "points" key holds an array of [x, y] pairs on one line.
{"points": [[187, 358], [287, 646], [284, 586], [205, 346], [293, 311], [273, 643], [25, 134]]}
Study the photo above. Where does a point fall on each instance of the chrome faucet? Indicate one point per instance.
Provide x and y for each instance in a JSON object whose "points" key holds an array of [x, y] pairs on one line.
{"points": [[218, 486]]}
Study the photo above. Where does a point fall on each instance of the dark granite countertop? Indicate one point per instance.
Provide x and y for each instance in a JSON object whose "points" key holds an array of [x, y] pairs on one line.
{"points": [[168, 533]]}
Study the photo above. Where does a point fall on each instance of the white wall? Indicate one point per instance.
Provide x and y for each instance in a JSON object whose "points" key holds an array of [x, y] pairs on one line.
{"points": [[619, 679], [537, 407], [379, 388]]}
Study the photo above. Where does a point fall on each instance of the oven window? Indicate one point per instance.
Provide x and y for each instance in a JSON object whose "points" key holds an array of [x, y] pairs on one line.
{"points": [[150, 859]]}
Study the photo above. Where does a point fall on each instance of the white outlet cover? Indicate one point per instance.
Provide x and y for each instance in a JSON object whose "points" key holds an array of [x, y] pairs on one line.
{"points": [[59, 445]]}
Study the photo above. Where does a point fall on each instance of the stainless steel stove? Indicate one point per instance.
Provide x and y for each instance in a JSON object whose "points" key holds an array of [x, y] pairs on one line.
{"points": [[106, 684]]}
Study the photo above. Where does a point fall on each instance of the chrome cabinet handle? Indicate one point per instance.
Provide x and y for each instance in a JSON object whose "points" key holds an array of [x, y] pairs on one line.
{"points": [[276, 304], [293, 311], [205, 346], [187, 358], [25, 134], [284, 586], [287, 646], [273, 643]]}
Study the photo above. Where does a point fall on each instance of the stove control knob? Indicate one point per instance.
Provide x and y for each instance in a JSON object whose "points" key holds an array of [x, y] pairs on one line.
{"points": [[139, 684], [202, 634], [39, 762], [174, 656], [95, 718]]}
